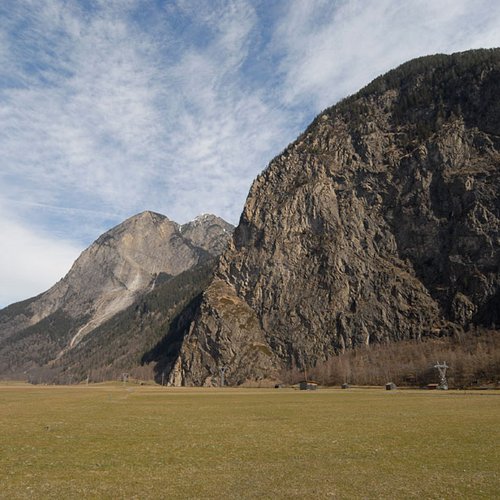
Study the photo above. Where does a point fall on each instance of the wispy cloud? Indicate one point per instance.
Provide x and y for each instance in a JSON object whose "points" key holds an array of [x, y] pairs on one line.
{"points": [[330, 49], [80, 123], [216, 144], [118, 119], [112, 107]]}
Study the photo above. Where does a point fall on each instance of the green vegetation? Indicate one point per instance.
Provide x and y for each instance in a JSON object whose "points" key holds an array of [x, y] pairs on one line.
{"points": [[37, 344], [458, 64], [123, 343], [430, 91], [152, 442], [16, 308]]}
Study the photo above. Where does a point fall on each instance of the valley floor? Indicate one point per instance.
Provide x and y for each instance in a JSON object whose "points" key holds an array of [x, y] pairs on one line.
{"points": [[115, 441]]}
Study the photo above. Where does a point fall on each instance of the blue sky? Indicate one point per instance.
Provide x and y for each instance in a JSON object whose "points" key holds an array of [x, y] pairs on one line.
{"points": [[111, 107]]}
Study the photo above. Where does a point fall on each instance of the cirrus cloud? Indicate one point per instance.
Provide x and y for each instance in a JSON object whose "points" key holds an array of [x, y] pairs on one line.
{"points": [[109, 108]]}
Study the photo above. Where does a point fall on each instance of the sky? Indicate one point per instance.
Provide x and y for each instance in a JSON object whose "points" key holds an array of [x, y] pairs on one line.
{"points": [[112, 107]]}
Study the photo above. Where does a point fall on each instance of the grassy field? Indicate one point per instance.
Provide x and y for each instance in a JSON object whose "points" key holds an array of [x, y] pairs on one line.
{"points": [[153, 442]]}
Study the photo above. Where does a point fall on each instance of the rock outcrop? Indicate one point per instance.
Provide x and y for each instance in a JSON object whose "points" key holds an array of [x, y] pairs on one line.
{"points": [[118, 268], [380, 223]]}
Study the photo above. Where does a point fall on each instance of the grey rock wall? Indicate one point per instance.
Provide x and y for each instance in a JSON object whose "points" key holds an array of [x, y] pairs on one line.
{"points": [[380, 223]]}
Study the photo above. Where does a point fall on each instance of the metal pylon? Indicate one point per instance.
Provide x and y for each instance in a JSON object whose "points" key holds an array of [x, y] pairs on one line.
{"points": [[443, 383]]}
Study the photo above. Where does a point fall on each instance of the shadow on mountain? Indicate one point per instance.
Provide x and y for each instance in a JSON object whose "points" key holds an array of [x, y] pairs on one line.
{"points": [[165, 352], [489, 313]]}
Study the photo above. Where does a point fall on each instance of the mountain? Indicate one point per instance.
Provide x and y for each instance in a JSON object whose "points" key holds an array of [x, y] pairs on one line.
{"points": [[380, 223], [140, 255], [133, 340]]}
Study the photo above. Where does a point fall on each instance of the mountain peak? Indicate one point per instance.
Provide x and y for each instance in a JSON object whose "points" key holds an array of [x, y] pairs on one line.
{"points": [[208, 231], [206, 219], [120, 266], [380, 223], [147, 215], [203, 217]]}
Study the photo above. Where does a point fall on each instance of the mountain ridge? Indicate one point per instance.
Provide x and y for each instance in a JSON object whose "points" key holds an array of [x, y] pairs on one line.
{"points": [[379, 223], [122, 265]]}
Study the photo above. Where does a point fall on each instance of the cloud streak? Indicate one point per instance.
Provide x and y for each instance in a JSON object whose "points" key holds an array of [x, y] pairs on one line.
{"points": [[331, 49], [113, 107]]}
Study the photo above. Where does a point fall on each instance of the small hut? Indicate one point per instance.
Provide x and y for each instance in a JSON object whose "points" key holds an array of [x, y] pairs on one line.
{"points": [[345, 385], [308, 385], [390, 386]]}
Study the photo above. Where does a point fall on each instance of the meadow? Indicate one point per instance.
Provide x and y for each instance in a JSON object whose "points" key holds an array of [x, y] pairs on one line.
{"points": [[116, 441]]}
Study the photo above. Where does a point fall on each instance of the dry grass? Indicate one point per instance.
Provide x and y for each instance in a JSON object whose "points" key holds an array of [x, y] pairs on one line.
{"points": [[152, 442]]}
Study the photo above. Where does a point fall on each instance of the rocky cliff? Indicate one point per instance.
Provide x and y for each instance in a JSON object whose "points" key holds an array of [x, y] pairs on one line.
{"points": [[121, 266], [380, 223]]}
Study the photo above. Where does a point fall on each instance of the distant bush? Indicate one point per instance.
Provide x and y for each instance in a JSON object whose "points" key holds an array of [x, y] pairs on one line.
{"points": [[473, 359]]}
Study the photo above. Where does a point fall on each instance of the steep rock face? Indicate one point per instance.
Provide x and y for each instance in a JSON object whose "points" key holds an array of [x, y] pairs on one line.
{"points": [[380, 223], [231, 340], [118, 267]]}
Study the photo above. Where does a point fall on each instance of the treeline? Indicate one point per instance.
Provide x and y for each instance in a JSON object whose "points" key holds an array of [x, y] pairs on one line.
{"points": [[445, 66], [36, 345], [431, 91], [121, 345], [473, 359]]}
